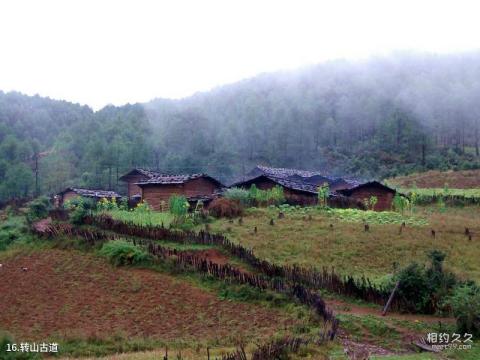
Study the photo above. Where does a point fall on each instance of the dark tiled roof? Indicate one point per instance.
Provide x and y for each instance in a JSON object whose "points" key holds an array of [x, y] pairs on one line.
{"points": [[295, 185], [92, 193], [344, 183], [287, 183], [145, 172], [376, 184], [176, 179], [285, 172], [312, 177]]}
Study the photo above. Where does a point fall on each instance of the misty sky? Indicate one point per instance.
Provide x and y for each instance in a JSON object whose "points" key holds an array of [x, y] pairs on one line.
{"points": [[100, 52]]}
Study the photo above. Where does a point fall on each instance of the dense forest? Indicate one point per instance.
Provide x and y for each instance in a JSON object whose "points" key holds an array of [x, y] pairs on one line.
{"points": [[365, 119]]}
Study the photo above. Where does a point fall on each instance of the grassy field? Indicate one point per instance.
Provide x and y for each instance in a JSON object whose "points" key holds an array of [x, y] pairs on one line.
{"points": [[345, 245], [467, 179], [94, 309]]}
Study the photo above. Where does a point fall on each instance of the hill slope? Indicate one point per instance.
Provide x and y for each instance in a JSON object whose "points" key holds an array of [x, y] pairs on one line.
{"points": [[468, 179], [375, 118], [69, 294]]}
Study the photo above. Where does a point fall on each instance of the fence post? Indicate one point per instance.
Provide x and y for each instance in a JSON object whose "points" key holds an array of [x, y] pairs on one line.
{"points": [[387, 305]]}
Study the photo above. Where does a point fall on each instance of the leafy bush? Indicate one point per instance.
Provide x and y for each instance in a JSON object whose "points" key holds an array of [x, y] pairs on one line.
{"points": [[80, 207], [323, 192], [123, 204], [400, 203], [273, 196], [121, 252], [178, 205], [242, 196], [426, 288], [105, 204], [38, 209], [223, 207], [414, 287], [465, 303], [11, 230]]}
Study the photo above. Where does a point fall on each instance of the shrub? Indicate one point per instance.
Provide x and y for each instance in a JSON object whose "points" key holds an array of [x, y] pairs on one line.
{"points": [[11, 230], [465, 303], [400, 203], [178, 205], [104, 204], [414, 287], [323, 192], [121, 252], [242, 196], [80, 207], [38, 209], [273, 196], [223, 207], [123, 204], [426, 288]]}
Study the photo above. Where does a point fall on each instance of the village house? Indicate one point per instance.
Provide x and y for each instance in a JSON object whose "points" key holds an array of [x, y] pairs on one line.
{"points": [[71, 193], [296, 192], [364, 192], [135, 176], [157, 190], [311, 177]]}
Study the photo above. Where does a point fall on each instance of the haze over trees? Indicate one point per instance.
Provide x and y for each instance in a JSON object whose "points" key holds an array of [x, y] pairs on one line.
{"points": [[366, 119]]}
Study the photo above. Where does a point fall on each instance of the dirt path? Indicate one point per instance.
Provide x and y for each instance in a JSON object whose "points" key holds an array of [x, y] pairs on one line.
{"points": [[343, 307], [369, 344]]}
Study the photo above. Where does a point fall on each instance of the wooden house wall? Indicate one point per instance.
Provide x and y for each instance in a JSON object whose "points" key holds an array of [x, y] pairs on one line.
{"points": [[133, 189], [295, 197], [200, 186], [154, 194], [384, 197]]}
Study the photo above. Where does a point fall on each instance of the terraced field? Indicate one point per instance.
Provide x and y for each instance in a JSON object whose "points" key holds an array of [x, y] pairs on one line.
{"points": [[69, 294]]}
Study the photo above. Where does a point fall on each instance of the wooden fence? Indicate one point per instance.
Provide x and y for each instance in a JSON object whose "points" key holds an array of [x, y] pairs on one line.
{"points": [[359, 288], [185, 261]]}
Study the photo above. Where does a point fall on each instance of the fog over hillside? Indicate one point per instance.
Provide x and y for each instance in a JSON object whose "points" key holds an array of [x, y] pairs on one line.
{"points": [[367, 119]]}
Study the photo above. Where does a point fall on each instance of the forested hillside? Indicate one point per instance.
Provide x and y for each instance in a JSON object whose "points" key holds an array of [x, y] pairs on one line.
{"points": [[375, 118]]}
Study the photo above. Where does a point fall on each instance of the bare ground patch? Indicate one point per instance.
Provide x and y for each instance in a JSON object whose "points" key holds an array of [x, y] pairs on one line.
{"points": [[69, 293]]}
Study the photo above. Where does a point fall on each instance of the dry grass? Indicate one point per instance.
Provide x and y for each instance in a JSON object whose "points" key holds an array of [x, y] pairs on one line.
{"points": [[466, 179], [298, 240]]}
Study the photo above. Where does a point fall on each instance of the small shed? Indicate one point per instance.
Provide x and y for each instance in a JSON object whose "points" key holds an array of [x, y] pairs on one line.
{"points": [[296, 192], [70, 193], [195, 187], [365, 191]]}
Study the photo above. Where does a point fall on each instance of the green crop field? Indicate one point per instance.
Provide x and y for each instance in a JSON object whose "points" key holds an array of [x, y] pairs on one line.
{"points": [[142, 217]]}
